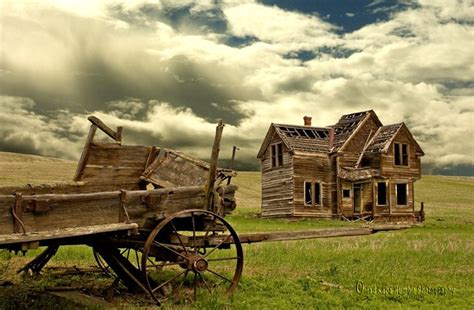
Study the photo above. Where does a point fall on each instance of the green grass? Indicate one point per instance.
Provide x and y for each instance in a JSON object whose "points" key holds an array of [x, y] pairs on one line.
{"points": [[429, 267]]}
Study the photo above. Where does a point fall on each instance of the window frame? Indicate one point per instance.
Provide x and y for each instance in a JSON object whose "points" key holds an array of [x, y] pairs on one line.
{"points": [[313, 194], [406, 195], [401, 156], [387, 193], [276, 154]]}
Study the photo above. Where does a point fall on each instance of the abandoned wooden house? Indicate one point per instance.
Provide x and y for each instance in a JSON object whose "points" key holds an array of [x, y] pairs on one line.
{"points": [[357, 168]]}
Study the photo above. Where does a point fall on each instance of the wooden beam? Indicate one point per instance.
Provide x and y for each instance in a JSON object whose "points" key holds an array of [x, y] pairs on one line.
{"points": [[65, 233], [363, 150], [85, 153], [213, 167], [116, 135]]}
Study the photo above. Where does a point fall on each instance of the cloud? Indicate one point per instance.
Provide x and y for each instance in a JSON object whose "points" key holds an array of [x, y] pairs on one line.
{"points": [[23, 131], [168, 70]]}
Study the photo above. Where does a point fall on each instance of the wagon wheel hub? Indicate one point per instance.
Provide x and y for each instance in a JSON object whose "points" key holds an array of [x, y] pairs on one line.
{"points": [[200, 265], [196, 263]]}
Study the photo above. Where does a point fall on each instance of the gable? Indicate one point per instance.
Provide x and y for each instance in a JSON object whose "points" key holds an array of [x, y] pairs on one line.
{"points": [[354, 130], [403, 135]]}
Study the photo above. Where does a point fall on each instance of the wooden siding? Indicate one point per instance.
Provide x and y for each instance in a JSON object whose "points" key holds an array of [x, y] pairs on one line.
{"points": [[388, 167], [277, 184], [313, 168], [392, 208]]}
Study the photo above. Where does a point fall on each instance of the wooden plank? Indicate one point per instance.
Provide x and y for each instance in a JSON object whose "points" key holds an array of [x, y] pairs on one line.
{"points": [[112, 154], [111, 174], [85, 153], [65, 233], [116, 135]]}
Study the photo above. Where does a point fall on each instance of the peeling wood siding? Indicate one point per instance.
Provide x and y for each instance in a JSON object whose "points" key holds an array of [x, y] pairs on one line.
{"points": [[277, 184], [313, 169]]}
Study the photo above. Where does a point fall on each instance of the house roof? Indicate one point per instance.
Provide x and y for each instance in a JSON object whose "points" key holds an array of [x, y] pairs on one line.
{"points": [[384, 137], [348, 124], [308, 139], [299, 138]]}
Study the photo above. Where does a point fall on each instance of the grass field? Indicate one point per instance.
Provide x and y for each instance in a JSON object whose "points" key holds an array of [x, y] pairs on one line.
{"points": [[428, 267]]}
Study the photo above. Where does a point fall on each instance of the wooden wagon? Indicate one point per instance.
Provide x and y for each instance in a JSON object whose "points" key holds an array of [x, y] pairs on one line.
{"points": [[155, 217]]}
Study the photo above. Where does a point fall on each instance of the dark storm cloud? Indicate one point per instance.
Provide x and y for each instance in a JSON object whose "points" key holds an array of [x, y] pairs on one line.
{"points": [[100, 68]]}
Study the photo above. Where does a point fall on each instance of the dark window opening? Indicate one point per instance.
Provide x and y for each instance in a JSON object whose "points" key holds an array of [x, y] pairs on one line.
{"points": [[346, 193], [317, 193], [404, 154], [280, 154], [308, 194], [381, 194], [402, 194], [401, 154], [276, 151], [312, 194]]}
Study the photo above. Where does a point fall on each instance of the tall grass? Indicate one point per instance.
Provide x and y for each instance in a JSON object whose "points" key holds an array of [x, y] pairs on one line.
{"points": [[428, 267]]}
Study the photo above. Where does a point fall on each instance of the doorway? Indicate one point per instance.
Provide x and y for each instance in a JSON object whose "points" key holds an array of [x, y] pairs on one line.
{"points": [[357, 197]]}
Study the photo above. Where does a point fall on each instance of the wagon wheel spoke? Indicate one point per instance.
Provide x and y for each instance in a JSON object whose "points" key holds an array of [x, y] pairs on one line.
{"points": [[218, 245], [175, 231], [194, 230], [221, 259], [166, 282], [195, 285], [205, 283], [169, 249], [208, 230], [219, 275]]}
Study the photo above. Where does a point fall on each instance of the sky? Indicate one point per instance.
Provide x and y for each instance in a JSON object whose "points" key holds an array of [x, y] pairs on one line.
{"points": [[168, 70]]}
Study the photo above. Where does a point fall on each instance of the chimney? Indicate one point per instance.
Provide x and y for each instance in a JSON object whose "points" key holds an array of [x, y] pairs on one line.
{"points": [[307, 120]]}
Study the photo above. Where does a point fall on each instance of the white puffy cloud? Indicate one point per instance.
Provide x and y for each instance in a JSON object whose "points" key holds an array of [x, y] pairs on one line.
{"points": [[168, 83]]}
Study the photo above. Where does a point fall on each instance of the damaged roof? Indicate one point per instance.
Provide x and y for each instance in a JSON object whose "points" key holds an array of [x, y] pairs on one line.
{"points": [[305, 139], [384, 137], [348, 124], [308, 139]]}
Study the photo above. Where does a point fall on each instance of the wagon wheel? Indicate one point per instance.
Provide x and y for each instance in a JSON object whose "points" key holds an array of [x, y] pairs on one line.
{"points": [[133, 255], [192, 252]]}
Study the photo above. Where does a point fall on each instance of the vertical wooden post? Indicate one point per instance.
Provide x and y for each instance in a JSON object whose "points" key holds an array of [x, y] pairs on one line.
{"points": [[17, 212], [85, 153], [213, 167], [234, 149], [118, 134]]}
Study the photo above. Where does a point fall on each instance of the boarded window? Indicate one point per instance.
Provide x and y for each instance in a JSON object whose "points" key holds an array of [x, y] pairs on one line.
{"points": [[346, 193], [401, 154], [312, 194], [382, 194], [277, 154], [402, 194]]}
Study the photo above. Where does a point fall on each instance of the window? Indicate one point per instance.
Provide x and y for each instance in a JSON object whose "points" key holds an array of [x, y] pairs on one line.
{"points": [[401, 154], [312, 194], [276, 154], [346, 193], [402, 194], [382, 194]]}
